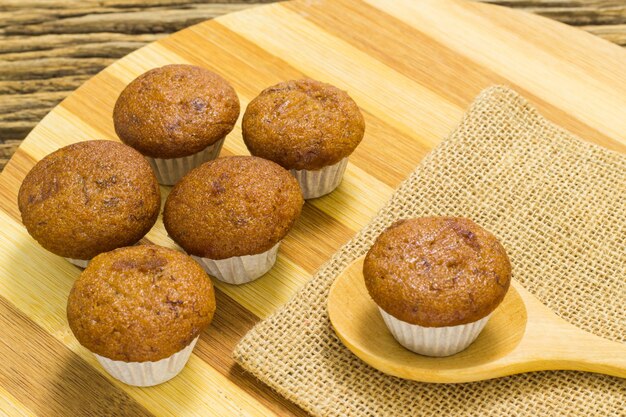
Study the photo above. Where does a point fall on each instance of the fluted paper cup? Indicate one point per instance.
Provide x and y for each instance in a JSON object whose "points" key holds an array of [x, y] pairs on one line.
{"points": [[240, 269], [433, 341], [169, 171], [146, 374], [81, 263], [322, 181]]}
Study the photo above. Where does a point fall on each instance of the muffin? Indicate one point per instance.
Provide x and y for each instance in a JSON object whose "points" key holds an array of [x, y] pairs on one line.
{"points": [[231, 214], [436, 281], [140, 310], [307, 127], [177, 116], [89, 197]]}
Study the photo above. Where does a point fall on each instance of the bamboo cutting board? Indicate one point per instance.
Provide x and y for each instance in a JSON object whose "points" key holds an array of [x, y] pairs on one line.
{"points": [[412, 66]]}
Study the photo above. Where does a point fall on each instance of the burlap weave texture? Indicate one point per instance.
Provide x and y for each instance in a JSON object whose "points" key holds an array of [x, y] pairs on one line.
{"points": [[557, 204]]}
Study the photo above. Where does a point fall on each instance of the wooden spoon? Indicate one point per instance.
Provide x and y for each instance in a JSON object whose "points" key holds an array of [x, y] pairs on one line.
{"points": [[522, 336]]}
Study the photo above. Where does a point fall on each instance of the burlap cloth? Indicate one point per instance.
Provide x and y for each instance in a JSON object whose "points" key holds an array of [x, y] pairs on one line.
{"points": [[558, 206]]}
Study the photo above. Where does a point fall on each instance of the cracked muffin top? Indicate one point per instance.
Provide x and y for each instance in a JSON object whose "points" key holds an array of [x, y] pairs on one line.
{"points": [[175, 111], [140, 303], [232, 206], [303, 124], [89, 197], [437, 271]]}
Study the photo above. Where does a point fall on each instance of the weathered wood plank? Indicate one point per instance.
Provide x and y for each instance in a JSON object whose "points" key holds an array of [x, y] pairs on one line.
{"points": [[91, 50], [612, 33], [23, 88], [51, 67], [159, 20], [29, 44]]}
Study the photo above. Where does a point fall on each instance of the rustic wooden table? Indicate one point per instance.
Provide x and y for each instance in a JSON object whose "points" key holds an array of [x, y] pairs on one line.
{"points": [[49, 48]]}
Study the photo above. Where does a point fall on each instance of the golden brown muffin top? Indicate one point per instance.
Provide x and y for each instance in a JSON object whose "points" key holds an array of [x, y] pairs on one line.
{"points": [[175, 111], [232, 206], [437, 271], [89, 197], [140, 303], [303, 124]]}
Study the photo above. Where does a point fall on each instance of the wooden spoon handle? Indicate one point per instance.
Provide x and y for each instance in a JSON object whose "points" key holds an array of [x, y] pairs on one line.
{"points": [[588, 352], [584, 352], [559, 345]]}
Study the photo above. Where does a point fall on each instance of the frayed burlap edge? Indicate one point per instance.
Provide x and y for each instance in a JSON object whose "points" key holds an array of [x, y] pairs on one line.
{"points": [[557, 204]]}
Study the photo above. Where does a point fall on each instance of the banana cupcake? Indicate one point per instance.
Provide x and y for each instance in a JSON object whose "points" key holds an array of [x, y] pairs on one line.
{"points": [[307, 127], [140, 310], [177, 116], [89, 197], [436, 281], [231, 215]]}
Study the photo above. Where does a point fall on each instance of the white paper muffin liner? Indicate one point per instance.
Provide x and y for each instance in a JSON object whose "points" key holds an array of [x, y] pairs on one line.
{"points": [[169, 171], [240, 269], [146, 374], [321, 182], [433, 341], [81, 263]]}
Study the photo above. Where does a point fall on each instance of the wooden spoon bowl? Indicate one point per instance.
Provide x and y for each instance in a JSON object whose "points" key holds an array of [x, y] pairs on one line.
{"points": [[522, 335]]}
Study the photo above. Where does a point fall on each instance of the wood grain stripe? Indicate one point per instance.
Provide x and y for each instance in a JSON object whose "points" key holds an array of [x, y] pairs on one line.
{"points": [[314, 222], [304, 45], [443, 62], [388, 44], [230, 323], [246, 65], [219, 49], [523, 63], [50, 379], [11, 406], [94, 118], [96, 121], [11, 179], [556, 43], [263, 296]]}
